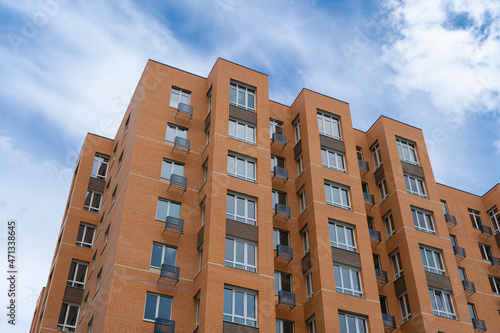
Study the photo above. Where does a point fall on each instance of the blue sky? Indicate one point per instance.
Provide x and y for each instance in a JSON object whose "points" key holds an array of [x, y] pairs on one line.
{"points": [[69, 67]]}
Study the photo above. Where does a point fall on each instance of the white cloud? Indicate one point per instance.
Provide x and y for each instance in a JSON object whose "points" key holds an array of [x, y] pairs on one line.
{"points": [[496, 146]]}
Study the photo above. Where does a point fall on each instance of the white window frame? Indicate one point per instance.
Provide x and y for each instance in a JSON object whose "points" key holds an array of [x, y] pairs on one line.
{"points": [[382, 190], [93, 195], [249, 94], [445, 207], [495, 219], [236, 123], [173, 164], [72, 282], [475, 217], [377, 161], [419, 214], [248, 321], [357, 321], [359, 153], [157, 309], [179, 131], [99, 161], [178, 95], [247, 249], [309, 284], [248, 162], [280, 325], [98, 285], [354, 274], [86, 227], [409, 148], [65, 326], [296, 129], [344, 228], [278, 277], [163, 247], [437, 266], [404, 306], [448, 310], [485, 253], [302, 200], [168, 202], [330, 121], [311, 325], [326, 159], [300, 164], [397, 265], [334, 187], [305, 239], [273, 124], [246, 218], [494, 284], [390, 228], [415, 185]]}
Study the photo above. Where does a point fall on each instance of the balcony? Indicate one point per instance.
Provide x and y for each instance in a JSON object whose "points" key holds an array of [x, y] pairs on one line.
{"points": [[485, 230], [363, 166], [170, 273], [479, 325], [174, 224], [284, 252], [182, 144], [280, 173], [178, 182], [469, 287], [282, 210], [286, 298], [164, 326], [369, 199], [381, 276], [495, 263], [185, 110], [375, 236], [450, 220], [459, 252], [389, 322], [279, 139]]}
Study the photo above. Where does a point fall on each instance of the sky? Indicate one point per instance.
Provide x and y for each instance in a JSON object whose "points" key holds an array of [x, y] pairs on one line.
{"points": [[70, 67]]}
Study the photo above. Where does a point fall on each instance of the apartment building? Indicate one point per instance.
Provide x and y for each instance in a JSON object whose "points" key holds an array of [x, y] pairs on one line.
{"points": [[215, 209]]}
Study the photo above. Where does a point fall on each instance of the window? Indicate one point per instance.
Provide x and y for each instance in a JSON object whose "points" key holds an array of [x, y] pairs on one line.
{"points": [[415, 185], [461, 271], [389, 225], [383, 305], [200, 250], [113, 197], [197, 297], [407, 151], [207, 136], [209, 94], [283, 326], [278, 197], [280, 237], [351, 324], [296, 129], [300, 164], [337, 195], [472, 310], [432, 260], [376, 155], [305, 239], [205, 171], [453, 239], [495, 219], [347, 280], [68, 317], [241, 166], [163, 254], [77, 274], [203, 210], [179, 95], [126, 125], [98, 282], [282, 281], [486, 253], [397, 267], [442, 303], [342, 236], [382, 190], [276, 126], [302, 200], [475, 218], [311, 325], [120, 160], [309, 284], [167, 208], [241, 208], [114, 151], [241, 131], [92, 201], [404, 305], [169, 168], [359, 153], [445, 207], [495, 284], [100, 166], [106, 234], [329, 125], [93, 262], [91, 322], [240, 306], [376, 261], [369, 221], [85, 301], [242, 95], [241, 254], [277, 161], [332, 159], [157, 306], [423, 220], [85, 237], [174, 131]]}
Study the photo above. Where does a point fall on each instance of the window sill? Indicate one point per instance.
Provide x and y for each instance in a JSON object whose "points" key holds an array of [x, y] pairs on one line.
{"points": [[427, 231], [247, 180], [339, 206], [242, 107], [241, 269], [351, 251], [240, 140], [335, 169], [441, 316]]}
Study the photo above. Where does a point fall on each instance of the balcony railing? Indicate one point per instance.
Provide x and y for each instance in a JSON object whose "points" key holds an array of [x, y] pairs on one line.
{"points": [[375, 236], [174, 224], [479, 324], [185, 110], [495, 262], [286, 298], [279, 139], [164, 326], [282, 210], [381, 276], [281, 173], [485, 230], [182, 144], [363, 165], [178, 182], [459, 252], [369, 199], [285, 252], [450, 220], [389, 321], [169, 272], [469, 287]]}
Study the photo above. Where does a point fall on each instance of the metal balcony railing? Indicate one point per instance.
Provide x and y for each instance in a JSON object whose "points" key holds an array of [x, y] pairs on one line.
{"points": [[369, 198], [178, 182], [182, 144], [381, 276], [164, 326], [185, 110], [485, 230], [495, 262], [389, 321], [284, 252], [281, 173], [469, 287], [363, 165], [174, 224], [286, 298], [169, 272], [279, 139], [479, 324], [450, 220], [375, 236], [459, 252], [282, 210]]}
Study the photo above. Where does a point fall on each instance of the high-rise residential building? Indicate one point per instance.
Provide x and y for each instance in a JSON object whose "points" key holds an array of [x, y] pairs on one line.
{"points": [[215, 209]]}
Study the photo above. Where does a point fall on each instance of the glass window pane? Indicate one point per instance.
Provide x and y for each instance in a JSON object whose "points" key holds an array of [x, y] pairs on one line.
{"points": [[240, 252], [340, 234], [161, 210], [174, 210], [72, 315], [351, 324], [239, 303], [80, 274], [333, 237], [228, 301], [170, 136], [345, 278], [232, 94], [178, 169], [241, 97], [336, 273], [166, 170], [165, 307], [345, 198], [250, 306], [251, 209], [156, 255], [250, 134], [251, 254], [240, 167], [336, 195], [150, 309], [232, 128], [240, 134], [328, 193], [230, 204], [96, 200], [229, 250], [342, 322], [169, 256], [251, 170], [251, 101], [324, 156]]}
